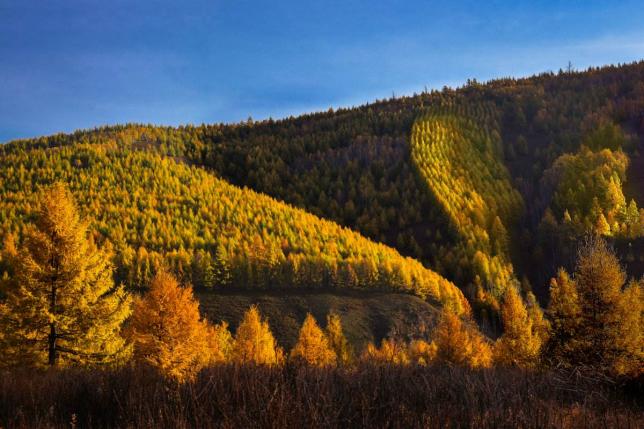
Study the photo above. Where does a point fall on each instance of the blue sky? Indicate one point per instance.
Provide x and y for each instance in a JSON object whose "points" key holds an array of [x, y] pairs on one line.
{"points": [[70, 64]]}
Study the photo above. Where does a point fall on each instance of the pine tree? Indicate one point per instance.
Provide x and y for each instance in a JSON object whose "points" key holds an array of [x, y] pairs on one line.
{"points": [[254, 342], [630, 343], [337, 340], [312, 347], [519, 345], [65, 308], [168, 333]]}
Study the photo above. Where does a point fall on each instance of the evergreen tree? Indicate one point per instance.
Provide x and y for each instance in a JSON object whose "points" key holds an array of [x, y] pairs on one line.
{"points": [[519, 345], [254, 343], [312, 347], [604, 313], [459, 343], [65, 308], [565, 313], [168, 333]]}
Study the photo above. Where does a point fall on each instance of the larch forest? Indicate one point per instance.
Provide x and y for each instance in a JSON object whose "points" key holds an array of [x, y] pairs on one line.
{"points": [[464, 257]]}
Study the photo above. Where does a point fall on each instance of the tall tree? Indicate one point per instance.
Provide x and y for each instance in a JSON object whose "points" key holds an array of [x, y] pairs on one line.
{"points": [[605, 316], [64, 307], [565, 314], [168, 333], [520, 344]]}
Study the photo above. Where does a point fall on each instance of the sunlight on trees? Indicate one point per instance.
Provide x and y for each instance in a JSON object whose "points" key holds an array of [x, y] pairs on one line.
{"points": [[64, 307], [312, 347], [254, 342], [169, 334]]}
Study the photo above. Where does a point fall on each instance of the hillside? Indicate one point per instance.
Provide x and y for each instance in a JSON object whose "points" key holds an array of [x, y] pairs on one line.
{"points": [[366, 317], [458, 154], [154, 211], [356, 167]]}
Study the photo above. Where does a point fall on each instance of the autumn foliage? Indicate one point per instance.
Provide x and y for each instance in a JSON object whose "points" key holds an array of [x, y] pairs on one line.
{"points": [[521, 342], [254, 341], [313, 346], [169, 334], [62, 306]]}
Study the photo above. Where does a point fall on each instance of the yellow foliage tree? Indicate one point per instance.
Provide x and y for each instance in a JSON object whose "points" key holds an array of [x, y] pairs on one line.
{"points": [[459, 343], [390, 353], [168, 333], [422, 352], [254, 342], [610, 320], [337, 340], [520, 344], [64, 308], [565, 314], [312, 346], [630, 361]]}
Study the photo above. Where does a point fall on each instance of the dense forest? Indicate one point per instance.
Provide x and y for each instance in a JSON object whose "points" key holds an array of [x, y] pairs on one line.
{"points": [[154, 212]]}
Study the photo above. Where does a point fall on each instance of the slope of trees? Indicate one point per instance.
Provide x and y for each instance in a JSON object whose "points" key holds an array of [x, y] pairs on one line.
{"points": [[156, 212], [457, 151], [353, 166]]}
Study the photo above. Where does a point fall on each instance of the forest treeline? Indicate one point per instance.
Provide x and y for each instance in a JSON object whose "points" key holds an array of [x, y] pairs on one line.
{"points": [[354, 166]]}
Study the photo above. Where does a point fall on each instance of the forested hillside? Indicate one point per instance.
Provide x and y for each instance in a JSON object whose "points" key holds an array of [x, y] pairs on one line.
{"points": [[355, 167], [156, 212], [458, 152]]}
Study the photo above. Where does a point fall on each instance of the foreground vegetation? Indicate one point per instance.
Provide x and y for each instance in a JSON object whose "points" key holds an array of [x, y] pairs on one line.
{"points": [[368, 396]]}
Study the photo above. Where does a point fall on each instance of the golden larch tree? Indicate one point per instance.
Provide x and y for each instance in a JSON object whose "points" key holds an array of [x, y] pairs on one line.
{"points": [[254, 342], [520, 344], [337, 341], [421, 352], [606, 318], [64, 307], [169, 334], [312, 347], [460, 343], [565, 315], [390, 352]]}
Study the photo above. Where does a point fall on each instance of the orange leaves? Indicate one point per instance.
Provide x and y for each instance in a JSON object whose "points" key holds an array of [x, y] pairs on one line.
{"points": [[169, 334], [254, 341], [461, 344], [312, 346]]}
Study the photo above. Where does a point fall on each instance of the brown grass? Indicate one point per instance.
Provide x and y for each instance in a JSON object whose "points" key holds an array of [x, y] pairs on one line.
{"points": [[230, 396]]}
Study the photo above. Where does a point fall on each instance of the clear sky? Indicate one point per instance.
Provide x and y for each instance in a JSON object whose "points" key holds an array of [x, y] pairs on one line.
{"points": [[69, 64]]}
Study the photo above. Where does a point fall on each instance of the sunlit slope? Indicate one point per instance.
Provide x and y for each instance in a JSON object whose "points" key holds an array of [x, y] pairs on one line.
{"points": [[157, 211], [457, 152]]}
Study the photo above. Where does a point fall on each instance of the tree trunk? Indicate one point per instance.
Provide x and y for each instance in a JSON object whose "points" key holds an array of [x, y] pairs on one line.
{"points": [[52, 329]]}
